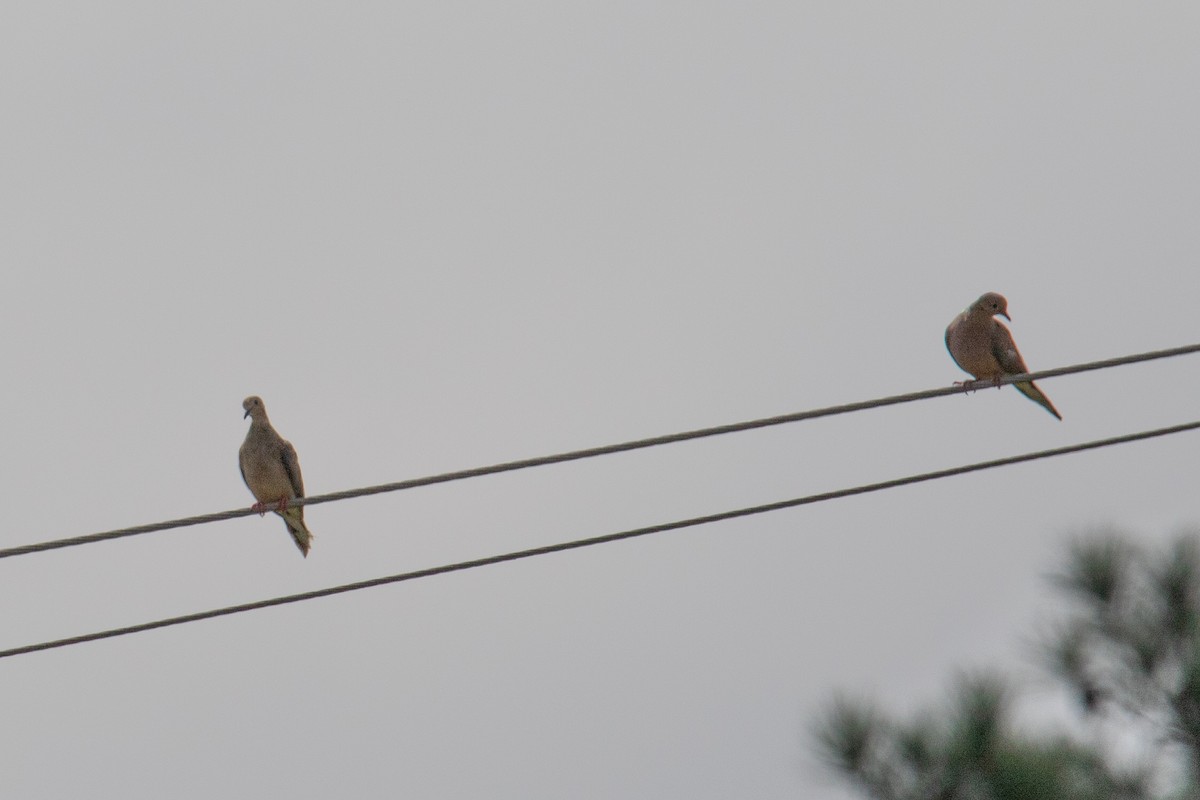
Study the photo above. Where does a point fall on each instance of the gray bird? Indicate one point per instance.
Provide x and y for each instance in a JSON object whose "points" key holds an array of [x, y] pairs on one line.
{"points": [[272, 471], [981, 345]]}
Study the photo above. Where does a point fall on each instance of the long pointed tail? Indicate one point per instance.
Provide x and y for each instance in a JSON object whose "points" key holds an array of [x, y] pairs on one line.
{"points": [[1031, 391], [294, 517]]}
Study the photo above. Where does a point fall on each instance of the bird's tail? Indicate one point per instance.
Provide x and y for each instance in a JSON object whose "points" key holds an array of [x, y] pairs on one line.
{"points": [[294, 517], [1030, 390]]}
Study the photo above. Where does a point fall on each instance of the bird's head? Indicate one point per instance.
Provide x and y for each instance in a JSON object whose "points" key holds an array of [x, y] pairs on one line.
{"points": [[992, 304], [254, 407]]}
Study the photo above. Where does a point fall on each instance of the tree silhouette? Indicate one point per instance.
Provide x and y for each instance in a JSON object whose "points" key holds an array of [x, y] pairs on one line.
{"points": [[1128, 650]]}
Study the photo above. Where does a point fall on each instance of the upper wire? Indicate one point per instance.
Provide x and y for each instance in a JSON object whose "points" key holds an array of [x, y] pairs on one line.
{"points": [[592, 452]]}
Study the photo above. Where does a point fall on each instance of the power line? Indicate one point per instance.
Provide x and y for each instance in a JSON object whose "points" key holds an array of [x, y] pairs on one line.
{"points": [[604, 539], [592, 452]]}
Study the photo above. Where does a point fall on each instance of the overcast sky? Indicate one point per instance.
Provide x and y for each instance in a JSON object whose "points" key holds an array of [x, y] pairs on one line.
{"points": [[441, 235]]}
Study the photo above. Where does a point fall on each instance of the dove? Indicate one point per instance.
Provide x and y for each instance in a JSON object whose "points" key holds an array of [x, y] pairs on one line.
{"points": [[272, 472], [981, 345]]}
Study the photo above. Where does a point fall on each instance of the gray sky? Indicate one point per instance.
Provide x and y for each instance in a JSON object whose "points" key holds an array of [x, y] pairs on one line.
{"points": [[441, 235]]}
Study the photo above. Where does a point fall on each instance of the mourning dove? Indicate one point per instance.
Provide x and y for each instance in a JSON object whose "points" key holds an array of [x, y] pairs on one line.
{"points": [[272, 471], [983, 346]]}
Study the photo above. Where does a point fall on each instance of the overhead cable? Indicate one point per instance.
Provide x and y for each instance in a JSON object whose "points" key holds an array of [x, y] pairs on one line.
{"points": [[603, 539], [592, 452]]}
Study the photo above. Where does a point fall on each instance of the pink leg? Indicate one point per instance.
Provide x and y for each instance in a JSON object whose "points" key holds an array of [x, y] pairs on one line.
{"points": [[261, 508], [283, 504]]}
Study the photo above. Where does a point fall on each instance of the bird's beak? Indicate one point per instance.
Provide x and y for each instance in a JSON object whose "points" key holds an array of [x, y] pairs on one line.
{"points": [[246, 414], [1002, 313]]}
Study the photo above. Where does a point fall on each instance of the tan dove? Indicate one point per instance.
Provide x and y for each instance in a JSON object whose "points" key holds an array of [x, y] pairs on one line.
{"points": [[272, 471], [983, 346]]}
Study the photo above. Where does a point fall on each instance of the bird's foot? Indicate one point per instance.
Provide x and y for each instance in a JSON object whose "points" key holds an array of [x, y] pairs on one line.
{"points": [[261, 508], [283, 505]]}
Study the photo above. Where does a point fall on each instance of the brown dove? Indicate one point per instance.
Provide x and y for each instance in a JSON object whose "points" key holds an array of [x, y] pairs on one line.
{"points": [[272, 471], [981, 345]]}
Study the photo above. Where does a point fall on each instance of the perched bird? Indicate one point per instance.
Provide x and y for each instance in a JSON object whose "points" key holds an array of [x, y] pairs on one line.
{"points": [[981, 345], [272, 471]]}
